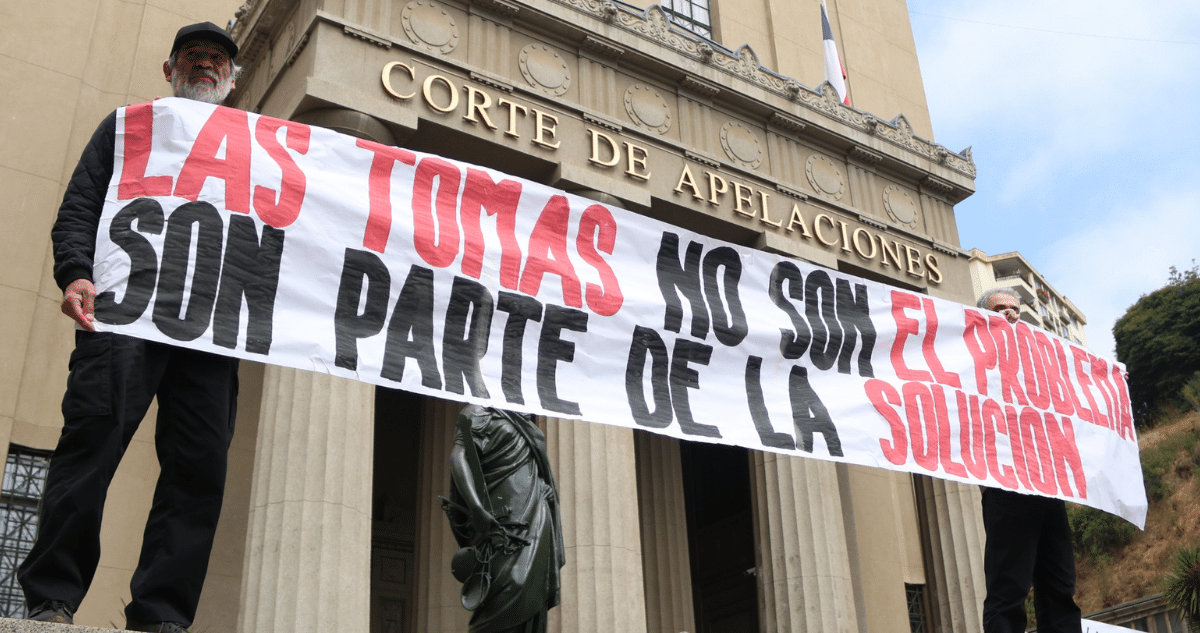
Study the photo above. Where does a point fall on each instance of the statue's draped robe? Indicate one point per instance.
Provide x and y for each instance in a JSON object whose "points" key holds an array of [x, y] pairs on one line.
{"points": [[512, 454]]}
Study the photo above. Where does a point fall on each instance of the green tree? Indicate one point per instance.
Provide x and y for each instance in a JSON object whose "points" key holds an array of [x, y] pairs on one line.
{"points": [[1181, 587], [1158, 339]]}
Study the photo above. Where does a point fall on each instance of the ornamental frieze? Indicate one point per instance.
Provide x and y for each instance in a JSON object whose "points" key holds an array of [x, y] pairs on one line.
{"points": [[647, 108], [653, 24], [544, 69], [741, 145], [429, 25]]}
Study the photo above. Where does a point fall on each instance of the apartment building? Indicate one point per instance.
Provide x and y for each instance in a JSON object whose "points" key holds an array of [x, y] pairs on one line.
{"points": [[1041, 304]]}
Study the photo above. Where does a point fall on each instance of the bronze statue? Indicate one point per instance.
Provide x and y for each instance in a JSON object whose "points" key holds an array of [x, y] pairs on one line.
{"points": [[503, 510]]}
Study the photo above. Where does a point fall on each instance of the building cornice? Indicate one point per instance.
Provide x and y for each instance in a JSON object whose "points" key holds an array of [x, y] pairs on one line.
{"points": [[653, 27], [645, 38]]}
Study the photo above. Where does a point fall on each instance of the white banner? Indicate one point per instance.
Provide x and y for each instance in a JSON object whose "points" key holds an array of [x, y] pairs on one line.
{"points": [[1091, 626], [293, 245]]}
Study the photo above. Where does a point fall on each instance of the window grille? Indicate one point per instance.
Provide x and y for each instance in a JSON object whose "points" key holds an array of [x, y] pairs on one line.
{"points": [[692, 15], [917, 620], [21, 494]]}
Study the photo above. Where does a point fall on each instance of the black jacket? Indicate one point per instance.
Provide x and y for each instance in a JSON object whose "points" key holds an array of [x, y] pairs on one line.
{"points": [[74, 232]]}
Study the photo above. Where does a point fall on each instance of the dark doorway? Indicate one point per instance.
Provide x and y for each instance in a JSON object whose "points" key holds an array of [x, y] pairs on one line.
{"points": [[716, 485], [394, 509]]}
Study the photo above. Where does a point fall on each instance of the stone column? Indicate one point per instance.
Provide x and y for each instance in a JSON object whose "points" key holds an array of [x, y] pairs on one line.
{"points": [[804, 571], [350, 122], [953, 553], [439, 607], [308, 546], [668, 575], [594, 468]]}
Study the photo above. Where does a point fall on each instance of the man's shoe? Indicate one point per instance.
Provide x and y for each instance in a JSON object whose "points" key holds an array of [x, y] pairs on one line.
{"points": [[53, 611], [154, 627]]}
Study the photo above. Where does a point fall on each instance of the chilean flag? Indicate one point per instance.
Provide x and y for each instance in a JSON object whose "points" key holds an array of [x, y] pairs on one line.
{"points": [[835, 72]]}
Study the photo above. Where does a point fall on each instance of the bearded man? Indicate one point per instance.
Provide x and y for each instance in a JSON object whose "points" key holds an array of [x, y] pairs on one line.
{"points": [[113, 379]]}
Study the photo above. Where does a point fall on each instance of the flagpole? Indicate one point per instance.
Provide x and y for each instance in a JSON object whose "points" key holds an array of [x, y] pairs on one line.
{"points": [[835, 70]]}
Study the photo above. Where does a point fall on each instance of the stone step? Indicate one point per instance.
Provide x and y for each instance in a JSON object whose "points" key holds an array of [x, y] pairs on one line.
{"points": [[8, 625]]}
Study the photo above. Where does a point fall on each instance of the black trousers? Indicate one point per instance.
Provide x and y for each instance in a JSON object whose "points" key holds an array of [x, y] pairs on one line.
{"points": [[1028, 544], [112, 382]]}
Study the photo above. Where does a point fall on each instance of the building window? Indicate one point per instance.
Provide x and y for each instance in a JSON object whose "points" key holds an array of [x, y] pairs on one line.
{"points": [[692, 15], [917, 620], [24, 483]]}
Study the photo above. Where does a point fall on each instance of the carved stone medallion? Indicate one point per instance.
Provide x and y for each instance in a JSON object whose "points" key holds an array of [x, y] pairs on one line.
{"points": [[647, 108], [545, 69], [741, 144], [901, 208], [825, 177], [427, 23]]}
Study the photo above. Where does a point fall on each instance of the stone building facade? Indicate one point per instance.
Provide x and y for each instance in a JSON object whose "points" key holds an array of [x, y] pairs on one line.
{"points": [[331, 520]]}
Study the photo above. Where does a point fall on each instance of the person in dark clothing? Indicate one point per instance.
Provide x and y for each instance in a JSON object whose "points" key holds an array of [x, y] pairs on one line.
{"points": [[1028, 544], [113, 380]]}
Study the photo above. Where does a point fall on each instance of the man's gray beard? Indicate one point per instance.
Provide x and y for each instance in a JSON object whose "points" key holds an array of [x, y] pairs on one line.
{"points": [[201, 90]]}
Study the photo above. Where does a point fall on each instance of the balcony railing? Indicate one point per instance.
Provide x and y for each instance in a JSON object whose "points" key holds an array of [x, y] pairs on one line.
{"points": [[1152, 614]]}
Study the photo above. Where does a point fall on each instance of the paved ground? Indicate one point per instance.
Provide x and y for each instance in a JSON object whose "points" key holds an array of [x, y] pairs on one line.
{"points": [[26, 626]]}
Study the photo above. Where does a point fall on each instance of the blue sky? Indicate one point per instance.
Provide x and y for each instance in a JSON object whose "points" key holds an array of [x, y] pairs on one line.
{"points": [[1084, 122]]}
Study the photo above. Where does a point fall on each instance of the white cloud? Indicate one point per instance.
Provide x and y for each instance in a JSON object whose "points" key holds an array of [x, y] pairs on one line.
{"points": [[1107, 267]]}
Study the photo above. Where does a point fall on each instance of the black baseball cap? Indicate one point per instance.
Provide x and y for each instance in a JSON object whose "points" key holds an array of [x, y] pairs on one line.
{"points": [[205, 31]]}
